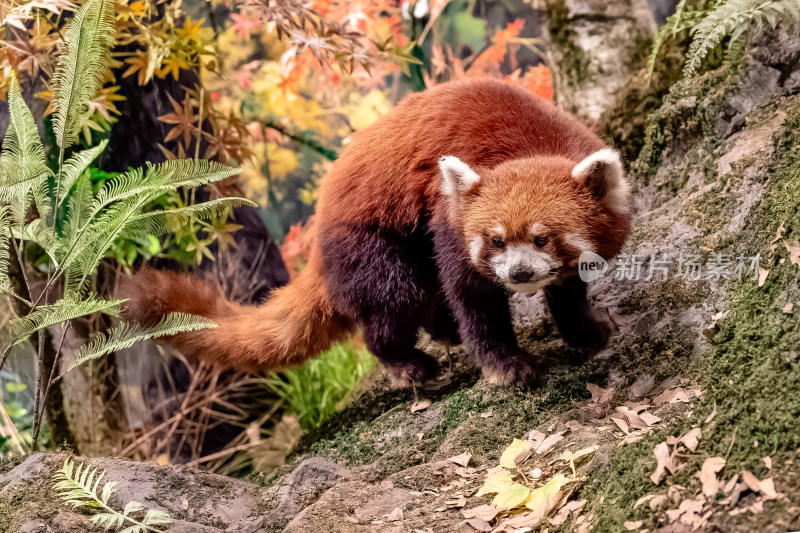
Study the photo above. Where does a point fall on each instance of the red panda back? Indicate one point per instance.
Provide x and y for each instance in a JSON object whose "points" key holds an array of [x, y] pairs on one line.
{"points": [[389, 174]]}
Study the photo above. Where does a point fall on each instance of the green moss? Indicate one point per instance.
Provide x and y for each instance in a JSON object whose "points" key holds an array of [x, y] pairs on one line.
{"points": [[624, 125], [751, 378]]}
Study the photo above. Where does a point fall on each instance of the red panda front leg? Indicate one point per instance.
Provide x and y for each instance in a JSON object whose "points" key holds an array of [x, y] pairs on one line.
{"points": [[577, 323], [483, 314]]}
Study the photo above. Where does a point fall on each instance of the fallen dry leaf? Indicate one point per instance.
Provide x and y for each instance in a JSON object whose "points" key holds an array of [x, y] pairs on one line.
{"points": [[691, 439], [479, 524], [562, 516], [762, 276], [599, 394], [634, 420], [665, 462], [420, 405], [487, 414], [630, 526], [548, 443], [767, 487], [788, 308], [751, 481], [678, 394], [767, 462], [485, 512], [536, 438], [649, 418], [708, 475], [621, 423], [462, 459], [396, 515], [457, 502], [730, 484]]}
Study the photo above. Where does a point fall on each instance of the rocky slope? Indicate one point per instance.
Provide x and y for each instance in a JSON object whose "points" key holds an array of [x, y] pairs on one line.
{"points": [[693, 408]]}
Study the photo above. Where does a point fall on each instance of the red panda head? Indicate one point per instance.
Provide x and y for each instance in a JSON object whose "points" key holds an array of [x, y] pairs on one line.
{"points": [[526, 222]]}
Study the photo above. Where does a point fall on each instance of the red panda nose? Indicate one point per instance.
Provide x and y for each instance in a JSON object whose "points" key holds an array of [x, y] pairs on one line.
{"points": [[521, 276]]}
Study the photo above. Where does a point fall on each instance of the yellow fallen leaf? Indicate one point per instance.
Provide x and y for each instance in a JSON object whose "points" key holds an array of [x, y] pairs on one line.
{"points": [[544, 499], [630, 526], [513, 450], [511, 496], [496, 482]]}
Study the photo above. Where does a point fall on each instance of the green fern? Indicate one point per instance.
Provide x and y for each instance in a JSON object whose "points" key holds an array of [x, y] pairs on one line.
{"points": [[126, 335], [5, 239], [726, 24], [78, 485], [81, 67], [73, 225], [65, 309]]}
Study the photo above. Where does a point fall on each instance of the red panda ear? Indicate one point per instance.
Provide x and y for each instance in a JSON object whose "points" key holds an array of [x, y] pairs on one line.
{"points": [[603, 175], [457, 176]]}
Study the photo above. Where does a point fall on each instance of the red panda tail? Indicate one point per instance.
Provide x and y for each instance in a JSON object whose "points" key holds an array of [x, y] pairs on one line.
{"points": [[296, 323]]}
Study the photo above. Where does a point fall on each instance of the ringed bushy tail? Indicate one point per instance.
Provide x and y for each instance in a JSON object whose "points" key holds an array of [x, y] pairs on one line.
{"points": [[296, 323]]}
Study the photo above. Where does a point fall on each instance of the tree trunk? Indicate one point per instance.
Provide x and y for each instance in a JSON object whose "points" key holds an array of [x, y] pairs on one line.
{"points": [[593, 47]]}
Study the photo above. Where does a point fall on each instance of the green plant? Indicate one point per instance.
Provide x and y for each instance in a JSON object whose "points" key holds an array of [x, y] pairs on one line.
{"points": [[65, 225], [78, 487], [318, 388], [712, 24]]}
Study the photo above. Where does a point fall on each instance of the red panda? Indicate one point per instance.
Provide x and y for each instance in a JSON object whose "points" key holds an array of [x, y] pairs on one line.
{"points": [[428, 219]]}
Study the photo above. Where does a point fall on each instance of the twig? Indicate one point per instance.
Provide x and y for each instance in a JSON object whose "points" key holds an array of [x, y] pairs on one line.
{"points": [[51, 379], [733, 439], [39, 380], [327, 153]]}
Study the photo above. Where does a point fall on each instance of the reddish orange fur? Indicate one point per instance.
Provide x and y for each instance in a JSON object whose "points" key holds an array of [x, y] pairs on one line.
{"points": [[296, 320], [388, 178]]}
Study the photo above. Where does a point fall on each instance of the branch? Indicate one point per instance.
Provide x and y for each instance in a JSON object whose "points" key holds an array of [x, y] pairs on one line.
{"points": [[306, 140]]}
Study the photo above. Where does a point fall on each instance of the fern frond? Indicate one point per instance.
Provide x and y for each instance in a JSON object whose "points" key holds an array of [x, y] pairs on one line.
{"points": [[736, 18], [92, 243], [78, 486], [160, 222], [79, 208], [76, 165], [63, 310], [126, 335], [81, 67], [22, 163], [5, 252], [38, 232], [191, 172]]}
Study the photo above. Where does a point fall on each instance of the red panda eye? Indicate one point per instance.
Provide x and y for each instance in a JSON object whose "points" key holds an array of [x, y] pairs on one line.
{"points": [[540, 241], [497, 241]]}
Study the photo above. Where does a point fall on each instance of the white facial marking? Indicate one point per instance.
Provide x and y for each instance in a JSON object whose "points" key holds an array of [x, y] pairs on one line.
{"points": [[579, 242], [475, 247], [457, 176], [618, 190], [536, 229], [527, 258]]}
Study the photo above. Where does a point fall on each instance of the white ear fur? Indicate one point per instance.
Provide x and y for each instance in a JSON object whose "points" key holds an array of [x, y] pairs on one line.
{"points": [[603, 172], [457, 176]]}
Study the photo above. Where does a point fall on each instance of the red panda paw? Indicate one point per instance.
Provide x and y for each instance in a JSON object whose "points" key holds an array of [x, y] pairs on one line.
{"points": [[417, 368], [518, 369]]}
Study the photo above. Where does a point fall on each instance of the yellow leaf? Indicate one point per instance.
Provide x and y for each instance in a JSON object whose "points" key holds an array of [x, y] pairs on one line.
{"points": [[496, 482], [545, 497], [512, 496], [510, 453], [580, 454]]}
